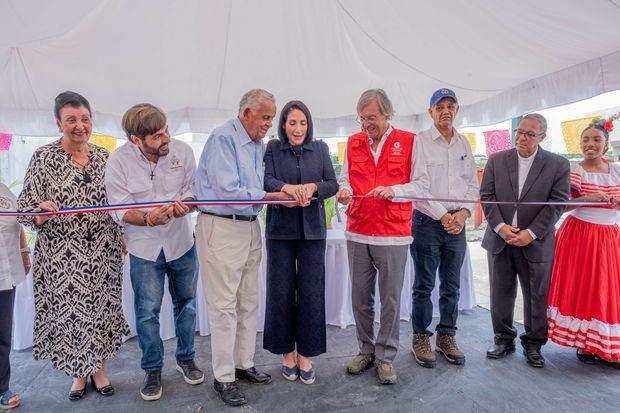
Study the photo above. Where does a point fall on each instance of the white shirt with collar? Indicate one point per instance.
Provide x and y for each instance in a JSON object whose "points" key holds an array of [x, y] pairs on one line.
{"points": [[11, 265], [441, 169], [128, 180], [525, 164]]}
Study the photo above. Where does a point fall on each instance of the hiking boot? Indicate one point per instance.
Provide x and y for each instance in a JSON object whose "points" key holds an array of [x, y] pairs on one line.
{"points": [[386, 373], [421, 347], [360, 363], [446, 345]]}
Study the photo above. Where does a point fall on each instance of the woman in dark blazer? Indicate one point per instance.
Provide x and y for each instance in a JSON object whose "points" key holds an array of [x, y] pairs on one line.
{"points": [[295, 313]]}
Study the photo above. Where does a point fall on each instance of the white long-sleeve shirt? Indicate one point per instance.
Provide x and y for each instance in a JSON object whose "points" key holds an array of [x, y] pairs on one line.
{"points": [[131, 178], [441, 170]]}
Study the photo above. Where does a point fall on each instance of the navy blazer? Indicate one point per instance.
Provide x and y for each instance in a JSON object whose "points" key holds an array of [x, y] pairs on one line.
{"points": [[315, 165]]}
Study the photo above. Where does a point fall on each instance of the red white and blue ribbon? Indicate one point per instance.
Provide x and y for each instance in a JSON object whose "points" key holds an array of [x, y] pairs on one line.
{"points": [[147, 205]]}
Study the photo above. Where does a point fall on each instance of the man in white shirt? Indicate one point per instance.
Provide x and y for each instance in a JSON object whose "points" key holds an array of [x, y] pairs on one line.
{"points": [[443, 167], [520, 239], [153, 167]]}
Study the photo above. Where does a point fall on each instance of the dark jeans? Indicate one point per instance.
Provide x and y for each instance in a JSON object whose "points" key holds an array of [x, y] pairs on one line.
{"points": [[7, 298], [147, 280], [295, 306], [434, 248]]}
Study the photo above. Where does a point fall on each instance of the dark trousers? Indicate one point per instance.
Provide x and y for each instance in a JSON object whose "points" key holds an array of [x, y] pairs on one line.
{"points": [[7, 298], [534, 277], [295, 307], [433, 248]]}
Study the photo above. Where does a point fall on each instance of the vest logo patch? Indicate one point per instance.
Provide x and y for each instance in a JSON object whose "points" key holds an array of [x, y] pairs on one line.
{"points": [[397, 149]]}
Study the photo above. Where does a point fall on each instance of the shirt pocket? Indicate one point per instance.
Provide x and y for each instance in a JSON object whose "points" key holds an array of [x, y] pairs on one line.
{"points": [[436, 169], [174, 182], [140, 188]]}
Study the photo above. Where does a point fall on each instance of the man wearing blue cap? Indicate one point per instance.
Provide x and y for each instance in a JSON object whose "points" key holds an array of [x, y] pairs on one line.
{"points": [[443, 167]]}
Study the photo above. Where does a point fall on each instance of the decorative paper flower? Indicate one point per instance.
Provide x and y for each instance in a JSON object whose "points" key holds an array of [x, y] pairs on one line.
{"points": [[607, 124]]}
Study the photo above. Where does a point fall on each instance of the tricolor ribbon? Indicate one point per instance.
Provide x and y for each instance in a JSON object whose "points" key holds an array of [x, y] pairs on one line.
{"points": [[146, 205], [219, 202]]}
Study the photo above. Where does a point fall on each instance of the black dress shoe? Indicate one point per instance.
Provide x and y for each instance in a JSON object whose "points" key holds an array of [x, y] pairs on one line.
{"points": [[534, 357], [253, 376], [77, 394], [105, 390], [498, 351], [229, 393]]}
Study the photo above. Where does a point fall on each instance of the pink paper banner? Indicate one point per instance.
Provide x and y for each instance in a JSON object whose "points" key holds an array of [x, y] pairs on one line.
{"points": [[496, 140], [5, 141]]}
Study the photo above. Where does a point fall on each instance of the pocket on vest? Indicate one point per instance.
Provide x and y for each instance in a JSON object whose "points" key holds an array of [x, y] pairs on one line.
{"points": [[398, 211]]}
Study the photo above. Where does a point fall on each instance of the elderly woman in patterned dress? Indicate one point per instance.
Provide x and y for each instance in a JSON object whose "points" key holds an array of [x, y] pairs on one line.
{"points": [[79, 321]]}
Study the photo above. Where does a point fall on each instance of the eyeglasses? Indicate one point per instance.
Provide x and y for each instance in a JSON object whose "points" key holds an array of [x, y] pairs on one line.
{"points": [[362, 119], [529, 135]]}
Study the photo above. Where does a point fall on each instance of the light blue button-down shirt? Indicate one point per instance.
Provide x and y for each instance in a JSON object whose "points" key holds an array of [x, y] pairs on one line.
{"points": [[231, 167]]}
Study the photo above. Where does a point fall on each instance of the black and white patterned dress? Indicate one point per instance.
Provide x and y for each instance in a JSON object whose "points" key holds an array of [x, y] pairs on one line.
{"points": [[79, 319]]}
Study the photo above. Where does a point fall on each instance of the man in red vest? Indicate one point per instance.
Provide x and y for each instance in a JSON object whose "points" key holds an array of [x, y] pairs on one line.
{"points": [[377, 163]]}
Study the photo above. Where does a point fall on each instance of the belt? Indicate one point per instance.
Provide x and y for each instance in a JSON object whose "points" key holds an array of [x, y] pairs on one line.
{"points": [[236, 217]]}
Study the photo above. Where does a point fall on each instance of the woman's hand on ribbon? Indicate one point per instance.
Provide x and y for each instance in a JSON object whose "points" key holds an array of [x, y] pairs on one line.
{"points": [[44, 206]]}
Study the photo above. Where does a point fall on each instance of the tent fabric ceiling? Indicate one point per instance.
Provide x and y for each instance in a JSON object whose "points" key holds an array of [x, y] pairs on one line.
{"points": [[195, 58]]}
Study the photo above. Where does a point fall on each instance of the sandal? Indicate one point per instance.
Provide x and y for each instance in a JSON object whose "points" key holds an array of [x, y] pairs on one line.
{"points": [[9, 400]]}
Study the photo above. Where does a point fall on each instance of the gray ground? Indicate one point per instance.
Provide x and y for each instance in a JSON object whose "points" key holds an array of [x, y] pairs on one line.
{"points": [[478, 386]]}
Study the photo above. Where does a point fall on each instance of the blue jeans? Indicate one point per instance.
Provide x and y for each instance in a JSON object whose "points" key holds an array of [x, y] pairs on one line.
{"points": [[147, 280], [433, 248]]}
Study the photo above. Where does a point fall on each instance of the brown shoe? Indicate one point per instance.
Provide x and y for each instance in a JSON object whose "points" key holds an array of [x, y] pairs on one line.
{"points": [[360, 363], [446, 345], [386, 373], [421, 347]]}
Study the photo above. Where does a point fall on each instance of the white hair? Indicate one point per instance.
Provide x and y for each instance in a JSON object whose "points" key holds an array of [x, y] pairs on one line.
{"points": [[252, 100]]}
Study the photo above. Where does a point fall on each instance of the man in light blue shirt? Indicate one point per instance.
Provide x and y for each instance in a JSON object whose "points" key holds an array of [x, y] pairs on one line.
{"points": [[229, 241]]}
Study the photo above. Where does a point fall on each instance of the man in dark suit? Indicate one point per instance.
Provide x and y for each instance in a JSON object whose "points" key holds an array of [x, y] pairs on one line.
{"points": [[520, 239]]}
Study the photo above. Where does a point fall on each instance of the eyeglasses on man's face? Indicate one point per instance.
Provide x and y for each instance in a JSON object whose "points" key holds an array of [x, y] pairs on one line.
{"points": [[528, 134], [366, 119]]}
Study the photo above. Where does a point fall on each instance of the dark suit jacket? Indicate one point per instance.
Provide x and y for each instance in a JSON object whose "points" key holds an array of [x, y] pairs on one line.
{"points": [[315, 166], [548, 180]]}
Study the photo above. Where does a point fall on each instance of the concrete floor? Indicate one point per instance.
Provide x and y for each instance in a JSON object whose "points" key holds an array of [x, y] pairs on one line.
{"points": [[481, 385]]}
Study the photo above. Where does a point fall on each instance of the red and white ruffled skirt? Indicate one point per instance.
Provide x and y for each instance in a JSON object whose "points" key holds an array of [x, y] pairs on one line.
{"points": [[584, 297]]}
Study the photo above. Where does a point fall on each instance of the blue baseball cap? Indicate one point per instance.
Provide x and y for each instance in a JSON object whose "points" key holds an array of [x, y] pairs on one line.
{"points": [[440, 94]]}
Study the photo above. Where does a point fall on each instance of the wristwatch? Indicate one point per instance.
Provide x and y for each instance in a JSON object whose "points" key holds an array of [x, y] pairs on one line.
{"points": [[144, 218], [25, 249]]}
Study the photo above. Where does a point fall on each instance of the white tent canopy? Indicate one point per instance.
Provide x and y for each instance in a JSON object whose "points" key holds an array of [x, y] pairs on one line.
{"points": [[195, 58]]}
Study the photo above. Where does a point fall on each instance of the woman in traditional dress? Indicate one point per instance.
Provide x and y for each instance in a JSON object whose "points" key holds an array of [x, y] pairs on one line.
{"points": [[584, 298], [79, 321]]}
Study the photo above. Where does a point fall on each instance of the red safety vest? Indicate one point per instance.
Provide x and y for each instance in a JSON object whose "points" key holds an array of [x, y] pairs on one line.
{"points": [[373, 216]]}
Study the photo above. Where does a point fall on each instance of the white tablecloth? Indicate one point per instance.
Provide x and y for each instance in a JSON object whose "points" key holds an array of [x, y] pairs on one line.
{"points": [[337, 296]]}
